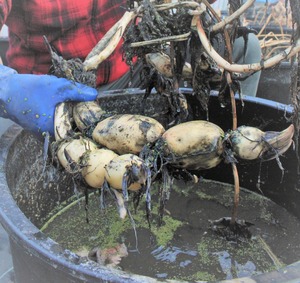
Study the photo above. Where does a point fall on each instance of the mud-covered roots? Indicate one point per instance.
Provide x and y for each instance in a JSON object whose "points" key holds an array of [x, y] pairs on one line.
{"points": [[154, 25], [72, 69], [231, 231]]}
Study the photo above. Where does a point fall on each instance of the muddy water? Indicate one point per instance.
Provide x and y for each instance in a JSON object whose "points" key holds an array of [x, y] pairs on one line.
{"points": [[185, 247]]}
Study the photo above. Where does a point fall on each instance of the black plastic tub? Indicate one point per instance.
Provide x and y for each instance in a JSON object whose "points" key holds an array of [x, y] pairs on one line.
{"points": [[37, 258], [275, 83]]}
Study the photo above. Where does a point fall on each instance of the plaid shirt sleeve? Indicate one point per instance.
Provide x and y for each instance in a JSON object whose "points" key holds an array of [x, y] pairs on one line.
{"points": [[73, 28], [5, 6]]}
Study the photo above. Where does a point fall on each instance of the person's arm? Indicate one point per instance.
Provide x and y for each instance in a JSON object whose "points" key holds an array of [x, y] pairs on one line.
{"points": [[5, 7], [30, 100]]}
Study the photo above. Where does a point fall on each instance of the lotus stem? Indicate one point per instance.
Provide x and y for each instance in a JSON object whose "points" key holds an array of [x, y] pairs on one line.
{"points": [[109, 42], [233, 16], [242, 68], [180, 37], [169, 6], [236, 194]]}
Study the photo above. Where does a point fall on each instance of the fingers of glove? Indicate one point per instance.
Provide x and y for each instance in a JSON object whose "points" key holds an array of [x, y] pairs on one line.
{"points": [[52, 89], [57, 89], [69, 91], [30, 100], [37, 124]]}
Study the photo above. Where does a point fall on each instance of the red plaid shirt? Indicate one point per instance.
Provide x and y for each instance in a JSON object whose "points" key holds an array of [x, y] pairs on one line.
{"points": [[73, 28]]}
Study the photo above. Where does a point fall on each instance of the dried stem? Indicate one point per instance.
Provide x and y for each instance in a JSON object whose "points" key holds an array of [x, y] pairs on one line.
{"points": [[233, 16], [264, 26], [169, 6], [180, 37]]}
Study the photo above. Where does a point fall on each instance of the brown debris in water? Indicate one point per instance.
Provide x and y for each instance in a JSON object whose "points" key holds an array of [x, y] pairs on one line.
{"points": [[109, 256]]}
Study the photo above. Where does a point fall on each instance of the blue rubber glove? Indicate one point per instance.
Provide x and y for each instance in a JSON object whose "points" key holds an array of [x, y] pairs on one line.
{"points": [[30, 100]]}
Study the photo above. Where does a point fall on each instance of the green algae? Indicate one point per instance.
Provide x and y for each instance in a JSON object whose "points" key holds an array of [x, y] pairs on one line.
{"points": [[213, 250], [183, 247], [69, 227]]}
